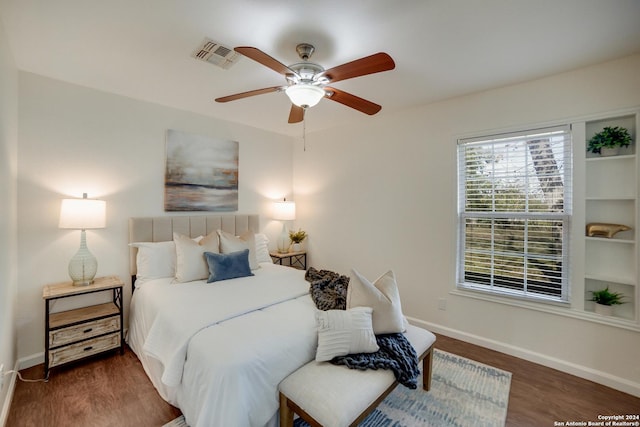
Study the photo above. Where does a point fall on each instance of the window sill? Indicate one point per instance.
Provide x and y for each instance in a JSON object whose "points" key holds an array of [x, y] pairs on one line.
{"points": [[559, 309]]}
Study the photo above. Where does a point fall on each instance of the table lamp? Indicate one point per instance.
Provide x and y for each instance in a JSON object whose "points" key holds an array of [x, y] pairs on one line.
{"points": [[82, 214], [284, 211]]}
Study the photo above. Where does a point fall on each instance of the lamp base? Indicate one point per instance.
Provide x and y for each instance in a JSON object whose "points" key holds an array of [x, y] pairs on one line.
{"points": [[83, 266], [82, 283], [283, 240]]}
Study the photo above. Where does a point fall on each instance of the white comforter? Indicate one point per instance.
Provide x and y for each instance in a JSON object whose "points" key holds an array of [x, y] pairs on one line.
{"points": [[224, 347]]}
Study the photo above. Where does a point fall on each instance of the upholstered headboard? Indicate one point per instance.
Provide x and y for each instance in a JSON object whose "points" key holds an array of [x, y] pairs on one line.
{"points": [[161, 229]]}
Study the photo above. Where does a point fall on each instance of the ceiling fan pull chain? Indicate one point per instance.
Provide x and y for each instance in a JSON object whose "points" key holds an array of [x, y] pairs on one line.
{"points": [[304, 129]]}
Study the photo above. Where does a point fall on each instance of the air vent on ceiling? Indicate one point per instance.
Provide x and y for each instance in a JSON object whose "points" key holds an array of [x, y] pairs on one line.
{"points": [[216, 54]]}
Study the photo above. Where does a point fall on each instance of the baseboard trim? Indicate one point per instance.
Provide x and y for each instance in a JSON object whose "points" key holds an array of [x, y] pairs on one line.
{"points": [[8, 398], [584, 372], [30, 361]]}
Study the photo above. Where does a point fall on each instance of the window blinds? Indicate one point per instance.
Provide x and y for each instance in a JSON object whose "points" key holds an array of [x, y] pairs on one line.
{"points": [[514, 210]]}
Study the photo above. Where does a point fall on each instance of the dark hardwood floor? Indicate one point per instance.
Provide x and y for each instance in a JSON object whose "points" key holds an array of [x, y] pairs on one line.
{"points": [[113, 391], [105, 391]]}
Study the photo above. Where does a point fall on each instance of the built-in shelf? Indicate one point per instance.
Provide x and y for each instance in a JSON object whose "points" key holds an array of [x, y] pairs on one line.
{"points": [[611, 196], [613, 279], [611, 199], [611, 158], [612, 240]]}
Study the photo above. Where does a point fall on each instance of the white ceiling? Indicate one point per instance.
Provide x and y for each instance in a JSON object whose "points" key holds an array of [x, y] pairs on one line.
{"points": [[442, 48]]}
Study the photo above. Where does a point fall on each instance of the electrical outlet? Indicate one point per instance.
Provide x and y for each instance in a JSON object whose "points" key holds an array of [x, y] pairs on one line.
{"points": [[442, 303], [1, 375]]}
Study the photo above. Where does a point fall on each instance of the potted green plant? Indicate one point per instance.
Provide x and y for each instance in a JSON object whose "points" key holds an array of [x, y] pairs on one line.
{"points": [[605, 300], [296, 238], [608, 141]]}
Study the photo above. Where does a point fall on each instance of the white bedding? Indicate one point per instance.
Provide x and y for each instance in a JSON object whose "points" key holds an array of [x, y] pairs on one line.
{"points": [[218, 351]]}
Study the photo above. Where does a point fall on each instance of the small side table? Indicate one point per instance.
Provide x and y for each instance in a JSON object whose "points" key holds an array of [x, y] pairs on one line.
{"points": [[82, 332], [295, 259]]}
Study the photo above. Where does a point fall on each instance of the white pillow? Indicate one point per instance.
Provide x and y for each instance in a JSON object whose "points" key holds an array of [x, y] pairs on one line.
{"points": [[383, 297], [191, 263], [154, 260], [262, 248], [230, 243], [342, 332]]}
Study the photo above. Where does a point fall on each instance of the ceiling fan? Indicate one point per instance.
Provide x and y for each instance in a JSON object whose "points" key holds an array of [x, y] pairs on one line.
{"points": [[307, 82]]}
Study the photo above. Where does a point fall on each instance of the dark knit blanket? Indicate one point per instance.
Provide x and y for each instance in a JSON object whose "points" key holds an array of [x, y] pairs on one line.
{"points": [[328, 289], [396, 353]]}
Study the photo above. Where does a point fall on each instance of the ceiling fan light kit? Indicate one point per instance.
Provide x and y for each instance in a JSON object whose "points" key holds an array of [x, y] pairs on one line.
{"points": [[305, 95], [307, 81]]}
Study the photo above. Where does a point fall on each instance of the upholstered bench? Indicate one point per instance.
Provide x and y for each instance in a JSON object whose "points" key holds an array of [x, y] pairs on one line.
{"points": [[327, 395]]}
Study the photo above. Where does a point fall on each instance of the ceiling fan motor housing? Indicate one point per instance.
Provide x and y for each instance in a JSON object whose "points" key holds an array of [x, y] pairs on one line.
{"points": [[306, 71]]}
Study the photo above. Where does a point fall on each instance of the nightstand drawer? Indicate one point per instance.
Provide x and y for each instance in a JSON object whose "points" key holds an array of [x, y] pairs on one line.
{"points": [[83, 331], [83, 349]]}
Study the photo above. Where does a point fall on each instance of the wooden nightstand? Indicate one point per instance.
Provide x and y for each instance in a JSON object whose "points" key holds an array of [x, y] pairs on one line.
{"points": [[82, 332], [296, 259]]}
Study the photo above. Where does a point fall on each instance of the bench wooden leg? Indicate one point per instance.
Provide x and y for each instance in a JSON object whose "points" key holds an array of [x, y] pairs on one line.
{"points": [[427, 363], [286, 414]]}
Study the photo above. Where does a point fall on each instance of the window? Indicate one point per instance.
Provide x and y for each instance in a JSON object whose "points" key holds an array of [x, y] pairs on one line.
{"points": [[514, 211]]}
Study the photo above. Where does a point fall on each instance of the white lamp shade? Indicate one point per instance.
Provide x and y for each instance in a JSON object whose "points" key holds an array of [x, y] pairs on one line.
{"points": [[284, 211], [82, 214], [305, 95]]}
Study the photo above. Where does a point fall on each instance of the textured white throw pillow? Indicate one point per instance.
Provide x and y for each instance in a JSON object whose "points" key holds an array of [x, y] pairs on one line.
{"points": [[191, 263], [342, 332], [230, 243], [383, 297]]}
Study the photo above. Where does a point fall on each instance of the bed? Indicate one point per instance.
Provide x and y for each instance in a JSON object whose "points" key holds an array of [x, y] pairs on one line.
{"points": [[218, 351]]}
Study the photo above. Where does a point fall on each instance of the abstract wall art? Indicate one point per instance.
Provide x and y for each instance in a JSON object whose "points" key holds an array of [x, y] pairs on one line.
{"points": [[201, 173]]}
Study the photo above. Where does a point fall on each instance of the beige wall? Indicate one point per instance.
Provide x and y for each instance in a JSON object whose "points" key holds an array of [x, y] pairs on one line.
{"points": [[75, 140], [383, 196], [8, 224]]}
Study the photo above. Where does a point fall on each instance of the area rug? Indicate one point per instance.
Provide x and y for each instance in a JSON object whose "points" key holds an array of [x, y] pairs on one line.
{"points": [[463, 393]]}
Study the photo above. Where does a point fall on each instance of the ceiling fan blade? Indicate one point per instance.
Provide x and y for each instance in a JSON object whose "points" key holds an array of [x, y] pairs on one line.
{"points": [[264, 59], [296, 115], [361, 67], [248, 94], [352, 101]]}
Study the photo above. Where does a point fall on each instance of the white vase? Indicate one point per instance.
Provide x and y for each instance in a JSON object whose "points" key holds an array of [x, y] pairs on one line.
{"points": [[607, 152], [296, 247], [605, 310]]}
